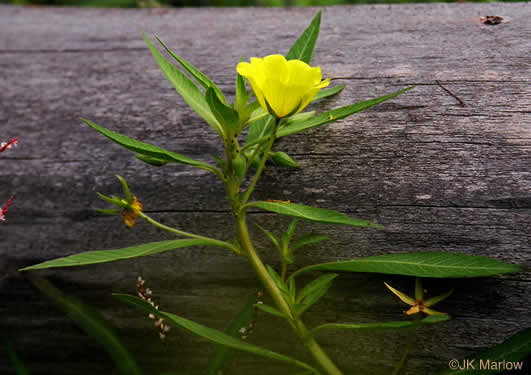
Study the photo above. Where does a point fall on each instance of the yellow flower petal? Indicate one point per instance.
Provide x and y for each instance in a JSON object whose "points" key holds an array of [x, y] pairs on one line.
{"points": [[282, 87]]}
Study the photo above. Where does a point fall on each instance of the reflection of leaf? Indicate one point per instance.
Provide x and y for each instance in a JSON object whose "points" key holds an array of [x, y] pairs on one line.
{"points": [[512, 350], [384, 325], [93, 325], [212, 334]]}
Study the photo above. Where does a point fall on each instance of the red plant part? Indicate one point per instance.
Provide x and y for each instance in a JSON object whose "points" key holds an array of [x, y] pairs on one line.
{"points": [[4, 210], [4, 146]]}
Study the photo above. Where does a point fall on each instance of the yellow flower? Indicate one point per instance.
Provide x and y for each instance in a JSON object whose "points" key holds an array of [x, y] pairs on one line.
{"points": [[130, 214], [283, 88], [418, 304]]}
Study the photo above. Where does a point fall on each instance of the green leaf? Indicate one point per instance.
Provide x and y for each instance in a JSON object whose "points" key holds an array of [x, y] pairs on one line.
{"points": [[196, 73], [212, 334], [283, 159], [303, 116], [146, 148], [107, 212], [221, 353], [513, 350], [271, 310], [260, 130], [335, 114], [241, 91], [125, 187], [185, 87], [17, 363], [226, 116], [288, 234], [379, 326], [151, 160], [421, 264], [102, 256], [311, 299], [113, 200], [312, 213], [307, 239], [315, 285], [94, 325], [324, 93], [277, 279], [270, 236], [239, 165], [302, 49]]}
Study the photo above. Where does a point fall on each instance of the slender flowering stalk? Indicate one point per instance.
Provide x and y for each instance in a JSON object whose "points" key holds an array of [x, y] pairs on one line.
{"points": [[4, 146], [145, 294], [4, 210]]}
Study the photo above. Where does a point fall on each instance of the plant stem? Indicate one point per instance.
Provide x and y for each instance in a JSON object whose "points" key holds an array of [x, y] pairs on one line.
{"points": [[212, 241], [410, 342], [320, 356], [262, 164], [284, 270]]}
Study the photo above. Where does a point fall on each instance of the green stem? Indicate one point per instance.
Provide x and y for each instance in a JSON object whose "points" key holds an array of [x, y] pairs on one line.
{"points": [[320, 356], [262, 164], [410, 342], [284, 270], [211, 241]]}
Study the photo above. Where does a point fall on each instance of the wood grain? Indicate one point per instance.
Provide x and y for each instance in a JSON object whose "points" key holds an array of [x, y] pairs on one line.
{"points": [[445, 166]]}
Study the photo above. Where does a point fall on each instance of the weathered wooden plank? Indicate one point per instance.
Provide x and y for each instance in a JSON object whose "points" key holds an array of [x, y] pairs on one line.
{"points": [[443, 167]]}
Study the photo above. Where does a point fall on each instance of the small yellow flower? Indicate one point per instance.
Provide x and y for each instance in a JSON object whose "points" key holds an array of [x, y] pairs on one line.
{"points": [[418, 304], [130, 214], [283, 88]]}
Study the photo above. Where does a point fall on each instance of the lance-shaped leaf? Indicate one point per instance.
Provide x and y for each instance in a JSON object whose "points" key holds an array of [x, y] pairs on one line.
{"points": [[303, 47], [103, 256], [513, 351], [335, 114], [313, 293], [272, 311], [256, 112], [146, 148], [271, 236], [283, 159], [260, 130], [307, 239], [421, 264], [312, 213], [314, 285], [220, 355], [196, 73], [185, 87], [385, 325], [94, 325], [212, 334], [226, 116], [324, 93], [151, 160]]}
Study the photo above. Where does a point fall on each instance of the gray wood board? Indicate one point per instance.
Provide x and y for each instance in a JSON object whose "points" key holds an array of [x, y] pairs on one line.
{"points": [[442, 167]]}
